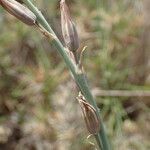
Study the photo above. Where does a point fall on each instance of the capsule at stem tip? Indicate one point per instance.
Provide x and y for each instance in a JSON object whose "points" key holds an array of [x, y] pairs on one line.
{"points": [[19, 11], [69, 31]]}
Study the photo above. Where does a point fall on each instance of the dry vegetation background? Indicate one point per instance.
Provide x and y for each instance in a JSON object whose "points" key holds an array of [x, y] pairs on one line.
{"points": [[38, 109]]}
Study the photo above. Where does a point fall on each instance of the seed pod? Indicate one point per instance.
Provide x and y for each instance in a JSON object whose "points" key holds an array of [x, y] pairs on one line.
{"points": [[19, 11], [90, 116], [69, 31]]}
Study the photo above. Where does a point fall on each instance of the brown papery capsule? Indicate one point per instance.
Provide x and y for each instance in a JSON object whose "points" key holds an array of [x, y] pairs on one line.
{"points": [[19, 11], [90, 116], [69, 31]]}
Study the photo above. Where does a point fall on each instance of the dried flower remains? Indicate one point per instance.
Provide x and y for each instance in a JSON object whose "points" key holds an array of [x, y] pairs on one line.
{"points": [[90, 116], [19, 11], [69, 31]]}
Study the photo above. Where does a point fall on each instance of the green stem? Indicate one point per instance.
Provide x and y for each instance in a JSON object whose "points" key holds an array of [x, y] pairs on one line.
{"points": [[99, 143], [80, 78]]}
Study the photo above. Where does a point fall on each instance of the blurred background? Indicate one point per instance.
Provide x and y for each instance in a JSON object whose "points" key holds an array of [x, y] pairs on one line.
{"points": [[38, 109]]}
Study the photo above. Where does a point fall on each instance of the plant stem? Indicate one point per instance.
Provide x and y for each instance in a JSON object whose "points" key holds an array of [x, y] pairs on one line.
{"points": [[79, 78]]}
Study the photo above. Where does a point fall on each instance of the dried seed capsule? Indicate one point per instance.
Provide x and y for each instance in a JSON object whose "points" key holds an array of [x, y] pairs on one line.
{"points": [[69, 31], [90, 116], [19, 11]]}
